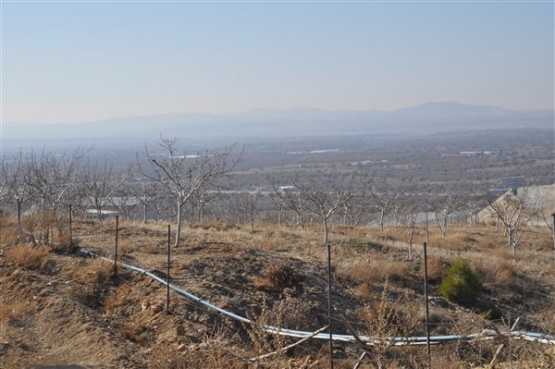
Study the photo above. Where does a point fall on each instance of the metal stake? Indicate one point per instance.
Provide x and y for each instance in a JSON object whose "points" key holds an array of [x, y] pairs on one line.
{"points": [[426, 304], [116, 251], [168, 273], [553, 234], [70, 224], [330, 306]]}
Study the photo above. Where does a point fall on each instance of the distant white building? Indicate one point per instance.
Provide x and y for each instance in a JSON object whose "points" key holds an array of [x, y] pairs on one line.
{"points": [[94, 213], [287, 190]]}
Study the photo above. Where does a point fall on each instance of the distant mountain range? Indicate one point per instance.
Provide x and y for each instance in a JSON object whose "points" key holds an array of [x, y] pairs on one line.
{"points": [[429, 118]]}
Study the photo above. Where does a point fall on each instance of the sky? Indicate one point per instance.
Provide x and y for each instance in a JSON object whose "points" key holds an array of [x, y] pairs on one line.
{"points": [[82, 61]]}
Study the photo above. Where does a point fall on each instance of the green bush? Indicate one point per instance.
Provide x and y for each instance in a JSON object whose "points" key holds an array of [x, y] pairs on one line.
{"points": [[461, 284]]}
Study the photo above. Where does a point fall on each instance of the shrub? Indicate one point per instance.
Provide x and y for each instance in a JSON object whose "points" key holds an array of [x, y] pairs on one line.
{"points": [[461, 284], [28, 257]]}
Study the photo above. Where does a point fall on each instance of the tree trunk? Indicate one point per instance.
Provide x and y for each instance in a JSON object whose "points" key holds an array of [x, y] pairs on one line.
{"points": [[98, 212], [325, 231], [300, 220], [199, 212], [443, 227], [178, 230], [382, 216], [144, 212], [19, 227]]}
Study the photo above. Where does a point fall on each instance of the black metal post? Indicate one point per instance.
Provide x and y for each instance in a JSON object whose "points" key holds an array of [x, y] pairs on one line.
{"points": [[553, 234], [426, 304], [70, 224], [330, 306], [427, 229], [168, 274], [116, 248]]}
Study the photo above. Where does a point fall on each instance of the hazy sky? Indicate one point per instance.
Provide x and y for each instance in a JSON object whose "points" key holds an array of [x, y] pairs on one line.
{"points": [[80, 61]]}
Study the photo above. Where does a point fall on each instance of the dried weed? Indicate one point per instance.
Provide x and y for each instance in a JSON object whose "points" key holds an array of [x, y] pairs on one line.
{"points": [[31, 258]]}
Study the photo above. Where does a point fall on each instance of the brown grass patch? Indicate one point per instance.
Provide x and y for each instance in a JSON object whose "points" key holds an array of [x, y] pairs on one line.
{"points": [[436, 268], [397, 270], [364, 292], [503, 253], [8, 231], [277, 277], [62, 240], [93, 272], [365, 273], [154, 249], [28, 257], [505, 275], [376, 272]]}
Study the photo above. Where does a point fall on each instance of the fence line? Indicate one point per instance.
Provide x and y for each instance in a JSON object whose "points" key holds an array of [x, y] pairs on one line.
{"points": [[486, 334]]}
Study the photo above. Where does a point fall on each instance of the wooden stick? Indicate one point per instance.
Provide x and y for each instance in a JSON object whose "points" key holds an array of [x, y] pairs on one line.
{"points": [[496, 353], [359, 361], [515, 324]]}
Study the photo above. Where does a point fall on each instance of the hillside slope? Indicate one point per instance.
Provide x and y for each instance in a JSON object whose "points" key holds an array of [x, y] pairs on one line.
{"points": [[66, 311]]}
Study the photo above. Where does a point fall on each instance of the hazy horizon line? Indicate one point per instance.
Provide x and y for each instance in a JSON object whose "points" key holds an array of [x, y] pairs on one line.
{"points": [[261, 109]]}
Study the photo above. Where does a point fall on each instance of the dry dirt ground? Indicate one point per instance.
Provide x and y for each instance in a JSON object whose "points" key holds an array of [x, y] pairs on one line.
{"points": [[71, 312]]}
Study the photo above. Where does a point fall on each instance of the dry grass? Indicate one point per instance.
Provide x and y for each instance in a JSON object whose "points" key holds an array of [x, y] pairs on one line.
{"points": [[30, 258], [278, 277], [8, 230], [94, 271], [364, 292], [505, 275], [375, 272], [63, 240], [437, 268], [361, 265], [363, 272]]}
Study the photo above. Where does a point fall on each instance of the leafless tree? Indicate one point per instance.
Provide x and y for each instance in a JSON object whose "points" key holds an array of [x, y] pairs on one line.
{"points": [[182, 175], [4, 182], [246, 203], [50, 178], [385, 195], [278, 198], [515, 210], [99, 184], [408, 217], [201, 199], [445, 202], [358, 207], [323, 197], [145, 193], [13, 187], [289, 197]]}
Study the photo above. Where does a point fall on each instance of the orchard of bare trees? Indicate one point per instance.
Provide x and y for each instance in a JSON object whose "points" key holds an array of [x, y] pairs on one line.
{"points": [[167, 182]]}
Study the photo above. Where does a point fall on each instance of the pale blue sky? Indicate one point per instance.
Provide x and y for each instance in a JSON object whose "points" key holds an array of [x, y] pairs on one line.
{"points": [[71, 61]]}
